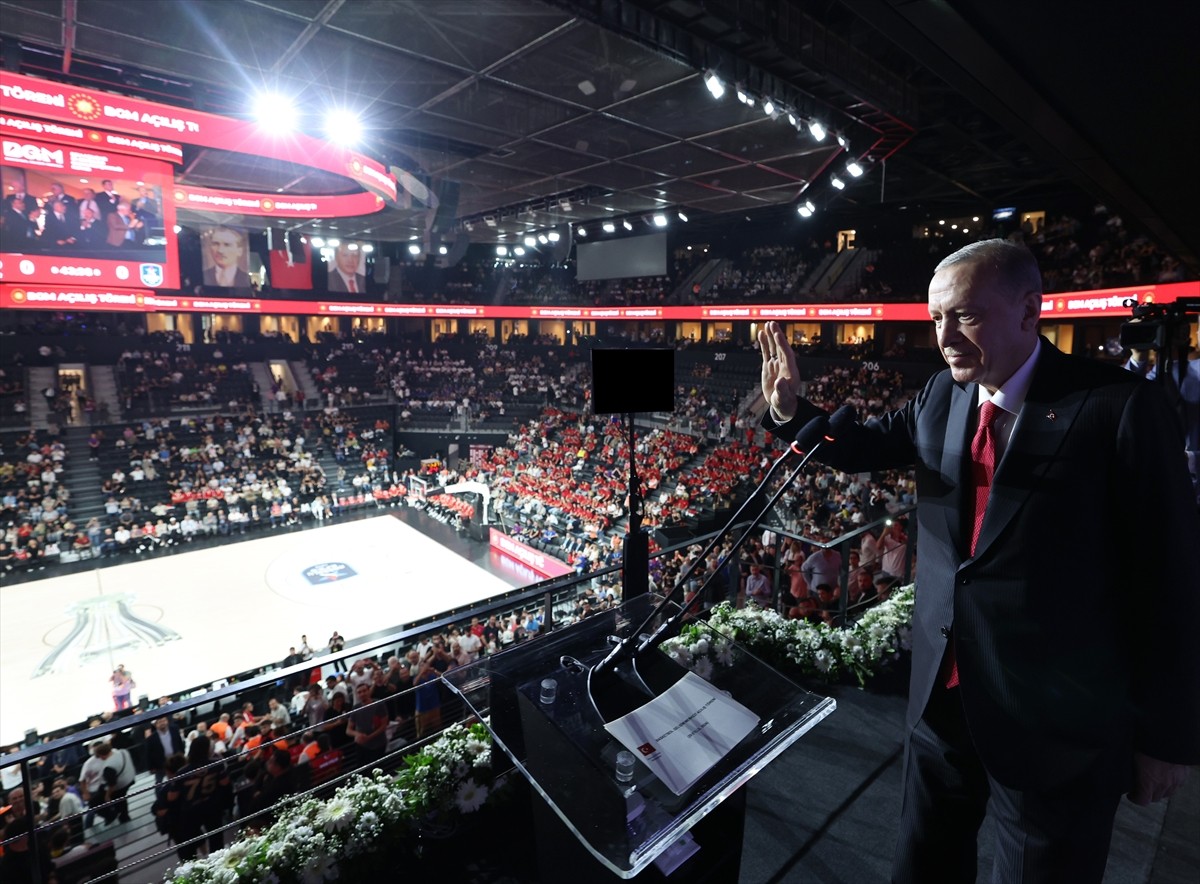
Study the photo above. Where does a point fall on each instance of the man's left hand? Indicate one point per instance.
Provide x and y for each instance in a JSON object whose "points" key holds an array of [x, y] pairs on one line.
{"points": [[1154, 780]]}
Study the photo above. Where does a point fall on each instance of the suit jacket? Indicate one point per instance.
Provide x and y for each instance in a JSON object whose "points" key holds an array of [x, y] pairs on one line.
{"points": [[56, 230], [337, 284], [107, 203], [156, 756], [241, 279], [117, 228], [1073, 623]]}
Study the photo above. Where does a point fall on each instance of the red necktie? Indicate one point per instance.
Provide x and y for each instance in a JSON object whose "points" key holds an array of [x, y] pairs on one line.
{"points": [[352, 284], [983, 467]]}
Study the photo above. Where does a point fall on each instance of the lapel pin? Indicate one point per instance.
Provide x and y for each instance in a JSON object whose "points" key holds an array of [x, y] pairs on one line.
{"points": [[1051, 415]]}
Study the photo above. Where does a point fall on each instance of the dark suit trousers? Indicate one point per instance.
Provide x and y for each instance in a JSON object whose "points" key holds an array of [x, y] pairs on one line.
{"points": [[1051, 837]]}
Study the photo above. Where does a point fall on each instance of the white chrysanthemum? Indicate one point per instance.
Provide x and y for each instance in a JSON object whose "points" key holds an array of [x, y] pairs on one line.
{"points": [[337, 813], [703, 667], [725, 653], [681, 655], [470, 796], [823, 660], [700, 648]]}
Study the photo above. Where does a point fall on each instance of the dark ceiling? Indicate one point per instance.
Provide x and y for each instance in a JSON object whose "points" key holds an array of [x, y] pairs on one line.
{"points": [[525, 107]]}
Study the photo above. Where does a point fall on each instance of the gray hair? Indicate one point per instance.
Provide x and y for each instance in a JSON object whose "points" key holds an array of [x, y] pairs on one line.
{"points": [[1011, 265]]}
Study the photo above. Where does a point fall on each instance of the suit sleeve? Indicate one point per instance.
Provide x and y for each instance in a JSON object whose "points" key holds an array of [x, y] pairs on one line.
{"points": [[1164, 595]]}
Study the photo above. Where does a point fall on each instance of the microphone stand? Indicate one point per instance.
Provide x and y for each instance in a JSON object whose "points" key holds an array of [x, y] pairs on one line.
{"points": [[817, 432]]}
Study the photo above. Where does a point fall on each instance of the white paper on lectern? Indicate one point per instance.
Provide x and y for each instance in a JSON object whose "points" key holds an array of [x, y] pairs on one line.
{"points": [[684, 731]]}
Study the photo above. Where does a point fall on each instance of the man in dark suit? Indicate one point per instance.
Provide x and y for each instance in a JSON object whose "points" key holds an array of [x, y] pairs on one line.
{"points": [[345, 276], [91, 232], [1053, 661], [226, 250], [107, 199], [60, 229], [162, 741], [70, 205]]}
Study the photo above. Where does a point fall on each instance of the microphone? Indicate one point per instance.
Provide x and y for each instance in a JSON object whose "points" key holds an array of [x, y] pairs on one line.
{"points": [[815, 433]]}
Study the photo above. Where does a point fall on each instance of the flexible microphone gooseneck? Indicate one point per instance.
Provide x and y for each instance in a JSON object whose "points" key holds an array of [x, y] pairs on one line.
{"points": [[819, 431]]}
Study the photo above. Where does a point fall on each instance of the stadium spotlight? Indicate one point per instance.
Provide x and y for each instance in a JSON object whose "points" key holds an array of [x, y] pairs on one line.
{"points": [[843, 141], [682, 217], [531, 242], [769, 107], [554, 236], [792, 120], [660, 220], [542, 239], [343, 127], [742, 96], [318, 242], [518, 250], [177, 228], [838, 183], [854, 168], [414, 249], [442, 250], [368, 248], [714, 84], [627, 225], [807, 209], [501, 251], [275, 112], [581, 231], [816, 130], [333, 243], [352, 246], [609, 227]]}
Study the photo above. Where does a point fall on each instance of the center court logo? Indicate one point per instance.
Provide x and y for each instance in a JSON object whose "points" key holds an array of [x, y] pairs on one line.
{"points": [[328, 572]]}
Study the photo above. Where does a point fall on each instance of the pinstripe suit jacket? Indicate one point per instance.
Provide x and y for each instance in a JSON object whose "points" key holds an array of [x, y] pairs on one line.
{"points": [[1075, 621]]}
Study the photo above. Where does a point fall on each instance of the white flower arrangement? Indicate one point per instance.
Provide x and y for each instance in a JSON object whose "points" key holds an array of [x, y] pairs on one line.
{"points": [[862, 649], [313, 841]]}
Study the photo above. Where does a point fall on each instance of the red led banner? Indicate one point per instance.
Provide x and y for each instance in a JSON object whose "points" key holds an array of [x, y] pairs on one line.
{"points": [[204, 199], [103, 256], [20, 127], [56, 101], [1076, 304]]}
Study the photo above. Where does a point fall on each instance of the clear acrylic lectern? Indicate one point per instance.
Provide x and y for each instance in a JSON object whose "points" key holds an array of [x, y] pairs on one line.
{"points": [[544, 713]]}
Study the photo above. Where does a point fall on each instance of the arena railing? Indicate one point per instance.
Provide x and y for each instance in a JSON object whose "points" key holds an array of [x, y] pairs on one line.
{"points": [[143, 847]]}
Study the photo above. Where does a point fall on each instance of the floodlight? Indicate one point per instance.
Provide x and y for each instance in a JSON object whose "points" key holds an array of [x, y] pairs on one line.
{"points": [[554, 236], [660, 220], [768, 107], [442, 250], [318, 242], [581, 231], [518, 251], [854, 168], [816, 130], [714, 84], [368, 248], [343, 127], [609, 227], [807, 209], [414, 249], [333, 243], [531, 241], [275, 112], [542, 239], [682, 217], [837, 183], [501, 251], [627, 225]]}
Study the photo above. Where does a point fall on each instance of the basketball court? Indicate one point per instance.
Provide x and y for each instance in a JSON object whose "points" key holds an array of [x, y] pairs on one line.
{"points": [[176, 621]]}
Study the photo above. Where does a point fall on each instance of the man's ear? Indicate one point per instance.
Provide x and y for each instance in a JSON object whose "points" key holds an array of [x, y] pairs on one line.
{"points": [[1031, 310]]}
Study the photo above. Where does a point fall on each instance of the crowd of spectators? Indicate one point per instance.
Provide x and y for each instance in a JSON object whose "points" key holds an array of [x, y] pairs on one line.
{"points": [[33, 501], [151, 381]]}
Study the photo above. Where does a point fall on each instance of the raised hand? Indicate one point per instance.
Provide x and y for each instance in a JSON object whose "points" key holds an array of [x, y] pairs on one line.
{"points": [[779, 376]]}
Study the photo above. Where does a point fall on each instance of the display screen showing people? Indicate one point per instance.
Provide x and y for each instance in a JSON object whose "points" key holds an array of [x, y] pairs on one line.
{"points": [[86, 217]]}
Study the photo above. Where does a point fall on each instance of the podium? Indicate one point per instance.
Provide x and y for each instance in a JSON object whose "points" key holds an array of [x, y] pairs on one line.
{"points": [[548, 716]]}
